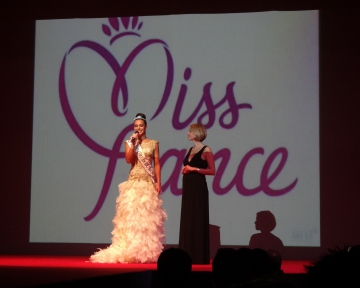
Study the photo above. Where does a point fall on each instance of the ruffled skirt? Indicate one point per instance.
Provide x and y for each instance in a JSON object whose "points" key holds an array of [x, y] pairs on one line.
{"points": [[138, 234]]}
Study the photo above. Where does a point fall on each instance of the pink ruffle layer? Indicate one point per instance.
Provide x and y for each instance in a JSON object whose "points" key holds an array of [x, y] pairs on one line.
{"points": [[138, 234]]}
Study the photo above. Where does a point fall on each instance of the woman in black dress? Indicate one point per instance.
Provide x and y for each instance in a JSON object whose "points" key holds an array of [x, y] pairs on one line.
{"points": [[194, 223]]}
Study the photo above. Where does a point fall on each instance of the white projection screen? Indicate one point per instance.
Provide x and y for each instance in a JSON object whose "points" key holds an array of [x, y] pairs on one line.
{"points": [[251, 78]]}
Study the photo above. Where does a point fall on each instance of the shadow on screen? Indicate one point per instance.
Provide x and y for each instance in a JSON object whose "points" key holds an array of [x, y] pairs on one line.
{"points": [[265, 223]]}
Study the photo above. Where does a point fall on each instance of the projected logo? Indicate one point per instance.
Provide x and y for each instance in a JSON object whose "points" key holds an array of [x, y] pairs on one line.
{"points": [[124, 28]]}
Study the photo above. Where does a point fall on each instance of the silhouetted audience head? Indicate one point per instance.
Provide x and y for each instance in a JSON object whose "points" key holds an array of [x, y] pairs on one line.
{"points": [[259, 263], [244, 256], [227, 268], [265, 267], [275, 261], [174, 268], [265, 221], [340, 267], [244, 253]]}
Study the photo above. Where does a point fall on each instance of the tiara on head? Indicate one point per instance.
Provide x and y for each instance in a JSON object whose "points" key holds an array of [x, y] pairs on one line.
{"points": [[139, 117]]}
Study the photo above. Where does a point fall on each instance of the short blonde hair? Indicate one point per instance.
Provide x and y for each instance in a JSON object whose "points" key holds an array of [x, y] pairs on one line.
{"points": [[199, 131]]}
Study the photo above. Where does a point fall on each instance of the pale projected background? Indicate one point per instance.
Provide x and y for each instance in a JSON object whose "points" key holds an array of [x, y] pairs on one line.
{"points": [[266, 61]]}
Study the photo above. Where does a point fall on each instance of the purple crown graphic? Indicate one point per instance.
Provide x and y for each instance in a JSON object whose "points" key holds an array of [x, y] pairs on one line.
{"points": [[123, 26]]}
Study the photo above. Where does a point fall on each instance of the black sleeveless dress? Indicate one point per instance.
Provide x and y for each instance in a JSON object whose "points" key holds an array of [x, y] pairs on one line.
{"points": [[194, 223]]}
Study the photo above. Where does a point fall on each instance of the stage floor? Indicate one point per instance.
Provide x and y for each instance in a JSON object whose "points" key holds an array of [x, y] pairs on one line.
{"points": [[30, 270]]}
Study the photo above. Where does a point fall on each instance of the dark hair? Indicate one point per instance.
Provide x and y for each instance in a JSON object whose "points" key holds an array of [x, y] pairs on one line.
{"points": [[141, 116], [267, 219]]}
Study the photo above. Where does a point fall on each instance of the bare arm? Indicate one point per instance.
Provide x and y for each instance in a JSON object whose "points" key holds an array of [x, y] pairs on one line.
{"points": [[157, 168], [129, 153]]}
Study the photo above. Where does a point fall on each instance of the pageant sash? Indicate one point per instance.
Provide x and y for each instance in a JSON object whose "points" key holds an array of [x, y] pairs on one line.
{"points": [[145, 162]]}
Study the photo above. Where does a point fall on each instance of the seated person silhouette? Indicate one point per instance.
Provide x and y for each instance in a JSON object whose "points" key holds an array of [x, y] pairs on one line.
{"points": [[265, 223]]}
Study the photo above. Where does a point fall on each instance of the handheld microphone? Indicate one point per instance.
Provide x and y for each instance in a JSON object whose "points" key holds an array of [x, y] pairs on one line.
{"points": [[133, 138]]}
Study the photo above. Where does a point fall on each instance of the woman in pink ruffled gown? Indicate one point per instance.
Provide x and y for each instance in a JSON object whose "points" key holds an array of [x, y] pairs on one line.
{"points": [[138, 234]]}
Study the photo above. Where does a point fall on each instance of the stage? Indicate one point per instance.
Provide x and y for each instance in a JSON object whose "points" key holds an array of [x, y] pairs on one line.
{"points": [[71, 271]]}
